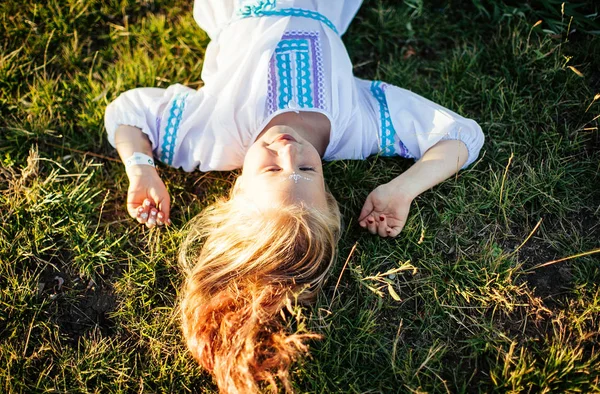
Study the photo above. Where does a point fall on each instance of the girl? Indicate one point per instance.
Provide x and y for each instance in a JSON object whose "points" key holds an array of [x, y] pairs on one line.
{"points": [[278, 97]]}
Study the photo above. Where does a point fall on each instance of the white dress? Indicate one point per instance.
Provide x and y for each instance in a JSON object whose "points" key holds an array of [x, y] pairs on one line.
{"points": [[267, 57]]}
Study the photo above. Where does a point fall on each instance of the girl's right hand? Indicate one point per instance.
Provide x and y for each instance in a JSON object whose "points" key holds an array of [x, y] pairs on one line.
{"points": [[148, 200]]}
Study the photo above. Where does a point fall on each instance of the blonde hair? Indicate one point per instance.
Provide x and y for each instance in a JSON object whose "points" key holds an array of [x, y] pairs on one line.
{"points": [[250, 266]]}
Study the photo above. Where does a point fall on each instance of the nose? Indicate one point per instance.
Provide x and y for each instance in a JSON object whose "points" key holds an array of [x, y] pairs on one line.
{"points": [[287, 156]]}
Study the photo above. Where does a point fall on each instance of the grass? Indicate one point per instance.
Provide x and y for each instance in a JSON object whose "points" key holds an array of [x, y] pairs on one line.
{"points": [[87, 296]]}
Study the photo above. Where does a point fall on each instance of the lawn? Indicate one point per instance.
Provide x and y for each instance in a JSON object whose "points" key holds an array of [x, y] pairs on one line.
{"points": [[493, 286]]}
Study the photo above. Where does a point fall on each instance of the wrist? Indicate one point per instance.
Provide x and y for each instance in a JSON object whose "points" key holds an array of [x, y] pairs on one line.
{"points": [[138, 171], [404, 189], [139, 158], [139, 164]]}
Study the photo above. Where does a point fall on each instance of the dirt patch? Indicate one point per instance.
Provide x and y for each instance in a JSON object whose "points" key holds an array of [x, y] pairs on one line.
{"points": [[555, 280], [545, 282], [548, 288], [79, 304]]}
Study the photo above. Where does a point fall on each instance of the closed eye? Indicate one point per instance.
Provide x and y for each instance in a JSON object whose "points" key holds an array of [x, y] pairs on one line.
{"points": [[306, 169]]}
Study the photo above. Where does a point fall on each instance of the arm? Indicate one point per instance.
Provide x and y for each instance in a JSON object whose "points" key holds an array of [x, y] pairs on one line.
{"points": [[386, 208], [132, 124], [147, 198]]}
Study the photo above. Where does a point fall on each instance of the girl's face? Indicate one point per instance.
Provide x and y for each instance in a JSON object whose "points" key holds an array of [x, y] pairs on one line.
{"points": [[281, 167]]}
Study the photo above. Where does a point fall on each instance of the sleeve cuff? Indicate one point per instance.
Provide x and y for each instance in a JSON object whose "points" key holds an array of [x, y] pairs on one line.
{"points": [[471, 135], [116, 116]]}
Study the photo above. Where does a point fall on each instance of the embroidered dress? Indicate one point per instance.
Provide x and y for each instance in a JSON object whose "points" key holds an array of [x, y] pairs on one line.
{"points": [[267, 57]]}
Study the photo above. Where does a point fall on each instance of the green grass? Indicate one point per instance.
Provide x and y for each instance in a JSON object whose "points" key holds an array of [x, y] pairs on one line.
{"points": [[474, 313]]}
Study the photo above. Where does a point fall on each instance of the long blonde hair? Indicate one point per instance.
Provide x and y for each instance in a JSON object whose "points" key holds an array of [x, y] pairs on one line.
{"points": [[250, 265]]}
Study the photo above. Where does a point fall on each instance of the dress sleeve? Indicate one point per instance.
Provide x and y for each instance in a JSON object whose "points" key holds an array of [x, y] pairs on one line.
{"points": [[143, 108], [411, 124]]}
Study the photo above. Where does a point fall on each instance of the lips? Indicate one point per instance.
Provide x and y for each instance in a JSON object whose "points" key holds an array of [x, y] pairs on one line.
{"points": [[285, 137]]}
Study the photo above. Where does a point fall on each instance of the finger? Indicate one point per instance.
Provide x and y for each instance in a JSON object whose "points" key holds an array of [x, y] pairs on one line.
{"points": [[371, 225], [139, 211], [143, 214], [396, 226], [152, 218], [162, 202], [143, 218], [165, 208], [382, 226], [133, 203], [148, 204], [134, 210], [366, 209], [160, 219], [394, 231]]}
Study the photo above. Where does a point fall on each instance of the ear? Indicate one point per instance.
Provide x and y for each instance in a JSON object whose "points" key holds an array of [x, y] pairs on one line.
{"points": [[237, 186]]}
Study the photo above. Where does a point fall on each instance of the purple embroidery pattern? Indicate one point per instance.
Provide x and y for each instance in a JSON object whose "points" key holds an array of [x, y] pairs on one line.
{"points": [[296, 73], [158, 121]]}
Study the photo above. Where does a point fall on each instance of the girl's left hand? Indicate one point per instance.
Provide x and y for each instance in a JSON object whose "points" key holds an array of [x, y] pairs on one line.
{"points": [[385, 211]]}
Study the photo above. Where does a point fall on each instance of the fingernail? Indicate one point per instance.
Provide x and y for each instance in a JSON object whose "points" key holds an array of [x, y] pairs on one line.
{"points": [[160, 215], [168, 221], [381, 217], [147, 203], [153, 213], [370, 220], [151, 221], [141, 209], [144, 215]]}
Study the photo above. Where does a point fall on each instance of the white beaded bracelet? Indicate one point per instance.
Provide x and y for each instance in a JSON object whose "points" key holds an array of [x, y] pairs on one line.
{"points": [[137, 159]]}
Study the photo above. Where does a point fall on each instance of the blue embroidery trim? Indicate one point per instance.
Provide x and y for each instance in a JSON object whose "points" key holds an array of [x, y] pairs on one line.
{"points": [[292, 45], [170, 138], [267, 10], [284, 72], [388, 132], [254, 8], [303, 69]]}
